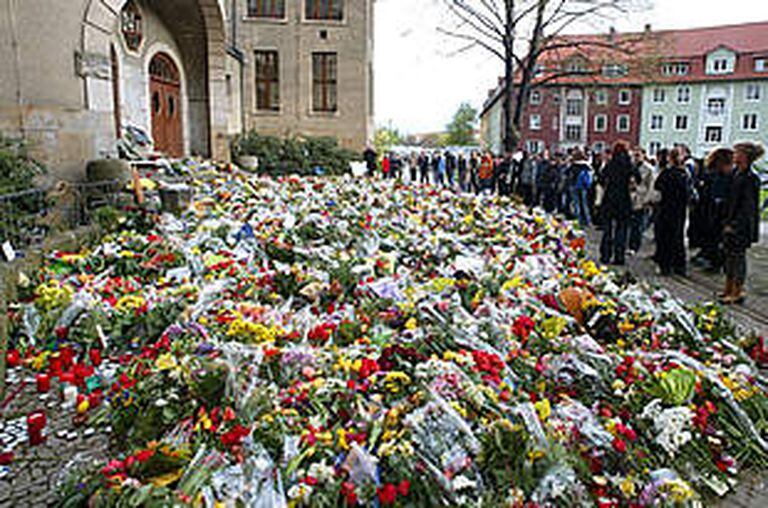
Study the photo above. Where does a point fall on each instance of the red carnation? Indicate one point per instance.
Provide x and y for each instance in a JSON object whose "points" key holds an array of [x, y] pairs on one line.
{"points": [[387, 494]]}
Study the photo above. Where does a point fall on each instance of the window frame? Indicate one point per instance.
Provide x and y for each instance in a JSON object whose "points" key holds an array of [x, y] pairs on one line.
{"points": [[753, 87], [621, 119], [713, 128], [251, 10], [268, 81], [534, 126], [580, 137], [604, 119], [621, 100], [329, 84], [659, 95], [535, 99], [601, 97], [754, 125], [677, 123], [687, 95], [318, 5], [653, 127], [720, 111]]}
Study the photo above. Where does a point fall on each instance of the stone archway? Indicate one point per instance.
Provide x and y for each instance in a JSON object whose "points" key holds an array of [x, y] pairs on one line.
{"points": [[205, 24]]}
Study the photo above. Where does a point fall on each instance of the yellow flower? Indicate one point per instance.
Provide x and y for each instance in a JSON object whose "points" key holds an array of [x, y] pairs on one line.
{"points": [[512, 284], [396, 380], [166, 362], [411, 324], [544, 408]]}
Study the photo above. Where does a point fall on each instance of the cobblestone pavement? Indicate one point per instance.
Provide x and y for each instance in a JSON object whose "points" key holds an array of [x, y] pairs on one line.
{"points": [[700, 286], [31, 479]]}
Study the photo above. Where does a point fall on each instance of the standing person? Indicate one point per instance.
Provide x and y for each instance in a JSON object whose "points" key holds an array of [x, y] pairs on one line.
{"points": [[474, 169], [714, 196], [742, 220], [424, 167], [643, 195], [438, 166], [413, 166], [525, 183], [386, 166], [450, 166], [370, 156], [462, 167], [581, 173], [547, 185], [672, 185], [616, 207], [485, 173], [503, 172]]}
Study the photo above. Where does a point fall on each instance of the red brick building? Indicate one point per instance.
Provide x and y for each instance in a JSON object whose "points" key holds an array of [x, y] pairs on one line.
{"points": [[586, 96]]}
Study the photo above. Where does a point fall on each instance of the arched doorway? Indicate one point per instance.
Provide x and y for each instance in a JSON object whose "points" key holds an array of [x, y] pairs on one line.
{"points": [[165, 103]]}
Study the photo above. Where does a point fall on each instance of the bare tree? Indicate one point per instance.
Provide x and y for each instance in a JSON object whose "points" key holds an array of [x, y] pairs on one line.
{"points": [[521, 32]]}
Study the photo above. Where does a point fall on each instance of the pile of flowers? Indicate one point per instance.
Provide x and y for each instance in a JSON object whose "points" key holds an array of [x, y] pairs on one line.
{"points": [[330, 342]]}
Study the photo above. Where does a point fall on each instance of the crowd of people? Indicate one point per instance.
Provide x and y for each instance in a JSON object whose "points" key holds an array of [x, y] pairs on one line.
{"points": [[624, 192]]}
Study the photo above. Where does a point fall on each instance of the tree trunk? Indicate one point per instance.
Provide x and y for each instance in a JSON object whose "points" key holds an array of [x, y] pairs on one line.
{"points": [[510, 130]]}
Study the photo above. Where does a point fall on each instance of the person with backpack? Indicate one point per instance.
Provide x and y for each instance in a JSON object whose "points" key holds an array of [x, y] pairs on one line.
{"points": [[580, 182]]}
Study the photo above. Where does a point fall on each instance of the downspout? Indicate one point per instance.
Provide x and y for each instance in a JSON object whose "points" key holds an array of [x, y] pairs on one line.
{"points": [[16, 63], [238, 55]]}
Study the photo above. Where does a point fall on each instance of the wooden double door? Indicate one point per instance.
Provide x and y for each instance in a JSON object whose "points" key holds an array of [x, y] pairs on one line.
{"points": [[165, 103]]}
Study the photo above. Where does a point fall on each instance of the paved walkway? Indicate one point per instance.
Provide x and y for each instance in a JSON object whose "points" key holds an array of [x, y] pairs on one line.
{"points": [[700, 286]]}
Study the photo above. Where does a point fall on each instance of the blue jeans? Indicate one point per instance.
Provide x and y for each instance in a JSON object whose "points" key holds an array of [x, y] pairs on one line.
{"points": [[580, 203], [614, 241]]}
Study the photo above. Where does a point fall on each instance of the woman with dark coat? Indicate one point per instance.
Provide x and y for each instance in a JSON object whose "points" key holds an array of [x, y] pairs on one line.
{"points": [[672, 185], [616, 206], [713, 196], [742, 220]]}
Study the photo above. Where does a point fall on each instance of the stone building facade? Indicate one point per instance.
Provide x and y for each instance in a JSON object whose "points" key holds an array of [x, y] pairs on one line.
{"points": [[76, 73]]}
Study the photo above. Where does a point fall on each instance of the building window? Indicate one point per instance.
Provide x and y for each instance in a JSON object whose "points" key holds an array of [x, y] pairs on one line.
{"points": [[601, 97], [625, 97], [266, 9], [720, 65], [749, 122], [574, 107], [325, 9], [573, 133], [324, 82], [615, 70], [601, 123], [716, 106], [753, 92], [654, 147], [761, 64], [535, 122], [657, 122], [535, 97], [622, 123], [533, 146], [714, 134], [267, 80], [659, 95], [683, 94], [555, 123], [676, 69], [130, 25], [681, 123]]}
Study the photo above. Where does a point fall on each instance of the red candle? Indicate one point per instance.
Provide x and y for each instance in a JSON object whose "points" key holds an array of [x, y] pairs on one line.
{"points": [[43, 383], [36, 421], [95, 356], [12, 358]]}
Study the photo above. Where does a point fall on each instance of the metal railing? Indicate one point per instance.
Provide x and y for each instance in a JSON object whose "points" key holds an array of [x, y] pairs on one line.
{"points": [[27, 217]]}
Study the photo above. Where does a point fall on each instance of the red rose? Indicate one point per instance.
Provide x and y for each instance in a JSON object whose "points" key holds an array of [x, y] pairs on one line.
{"points": [[387, 494], [144, 455], [403, 488], [6, 458], [619, 445]]}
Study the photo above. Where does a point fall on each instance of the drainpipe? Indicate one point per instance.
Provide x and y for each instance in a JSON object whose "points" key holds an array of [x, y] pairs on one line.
{"points": [[238, 55], [16, 63]]}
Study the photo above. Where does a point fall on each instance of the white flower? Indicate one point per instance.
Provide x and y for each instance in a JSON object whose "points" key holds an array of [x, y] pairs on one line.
{"points": [[461, 482]]}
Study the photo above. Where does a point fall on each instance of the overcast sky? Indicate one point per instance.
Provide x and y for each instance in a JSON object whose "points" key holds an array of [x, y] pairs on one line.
{"points": [[420, 81]]}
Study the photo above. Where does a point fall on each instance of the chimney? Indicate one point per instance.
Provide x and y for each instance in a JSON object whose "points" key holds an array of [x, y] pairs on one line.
{"points": [[648, 28], [612, 34]]}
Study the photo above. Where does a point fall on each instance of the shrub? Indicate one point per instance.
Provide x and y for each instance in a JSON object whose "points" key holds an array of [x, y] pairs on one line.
{"points": [[17, 169], [294, 155]]}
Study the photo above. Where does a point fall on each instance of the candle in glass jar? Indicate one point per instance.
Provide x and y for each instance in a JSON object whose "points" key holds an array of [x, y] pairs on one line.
{"points": [[43, 383], [36, 422], [70, 395]]}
